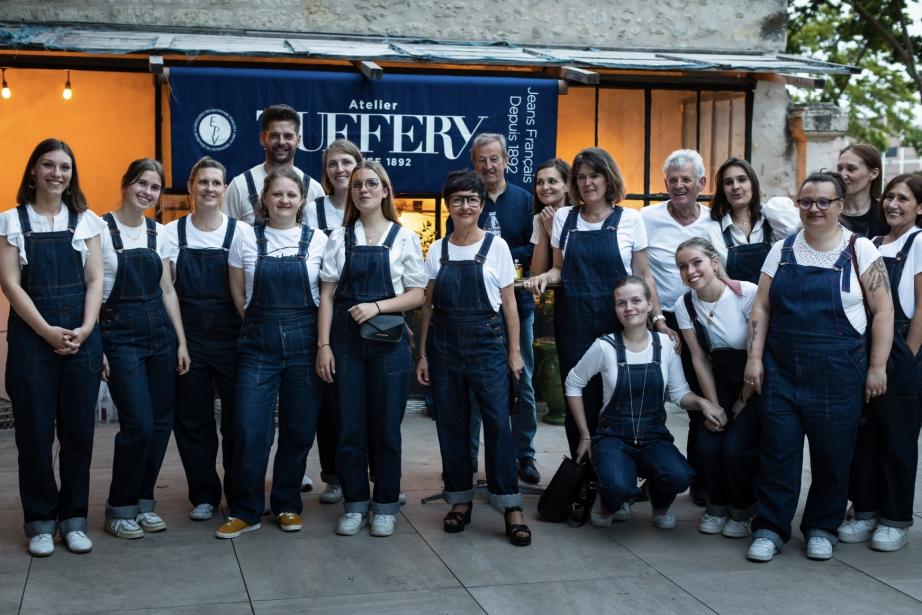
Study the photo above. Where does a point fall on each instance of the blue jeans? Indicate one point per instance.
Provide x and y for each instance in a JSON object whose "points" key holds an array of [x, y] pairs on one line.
{"points": [[276, 363], [525, 423]]}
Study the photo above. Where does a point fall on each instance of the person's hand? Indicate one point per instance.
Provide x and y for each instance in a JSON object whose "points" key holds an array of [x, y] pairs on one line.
{"points": [[422, 370], [715, 417], [662, 327], [60, 339], [738, 406], [584, 449], [183, 362], [363, 311], [325, 365], [754, 374], [516, 364], [537, 285], [876, 383], [546, 218], [105, 368]]}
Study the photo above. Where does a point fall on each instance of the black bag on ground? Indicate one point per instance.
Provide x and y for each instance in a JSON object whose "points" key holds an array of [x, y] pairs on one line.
{"points": [[569, 495]]}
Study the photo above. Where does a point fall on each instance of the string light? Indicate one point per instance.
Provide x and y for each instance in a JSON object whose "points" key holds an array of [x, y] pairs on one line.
{"points": [[67, 93], [6, 92]]}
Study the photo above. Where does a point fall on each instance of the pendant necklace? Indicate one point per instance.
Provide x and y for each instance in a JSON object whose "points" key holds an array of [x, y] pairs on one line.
{"points": [[635, 425], [713, 309]]}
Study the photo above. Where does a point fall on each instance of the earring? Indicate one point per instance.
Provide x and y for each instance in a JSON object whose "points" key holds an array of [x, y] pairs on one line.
{"points": [[67, 191], [31, 183]]}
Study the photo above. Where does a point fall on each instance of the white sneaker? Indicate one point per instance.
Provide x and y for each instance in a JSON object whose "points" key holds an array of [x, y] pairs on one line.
{"points": [[819, 548], [857, 530], [383, 525], [888, 538], [712, 524], [41, 545], [350, 523], [600, 517], [123, 528], [331, 494], [664, 519], [623, 513], [307, 484], [761, 550], [202, 512], [151, 522], [78, 542], [737, 529], [402, 498]]}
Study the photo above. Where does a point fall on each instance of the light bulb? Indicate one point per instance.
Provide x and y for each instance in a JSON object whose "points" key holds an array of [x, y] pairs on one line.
{"points": [[67, 93], [6, 92]]}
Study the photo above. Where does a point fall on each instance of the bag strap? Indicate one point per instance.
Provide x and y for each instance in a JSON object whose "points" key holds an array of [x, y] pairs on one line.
{"points": [[853, 255]]}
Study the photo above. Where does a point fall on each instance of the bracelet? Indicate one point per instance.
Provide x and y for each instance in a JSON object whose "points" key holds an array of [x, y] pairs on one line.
{"points": [[422, 356], [321, 346], [378, 306], [589, 438]]}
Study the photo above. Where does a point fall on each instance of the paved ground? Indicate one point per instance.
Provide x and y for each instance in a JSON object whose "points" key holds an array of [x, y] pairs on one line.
{"points": [[630, 568]]}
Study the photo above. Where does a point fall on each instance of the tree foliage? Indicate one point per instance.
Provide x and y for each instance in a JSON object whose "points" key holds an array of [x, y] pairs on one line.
{"points": [[883, 100]]}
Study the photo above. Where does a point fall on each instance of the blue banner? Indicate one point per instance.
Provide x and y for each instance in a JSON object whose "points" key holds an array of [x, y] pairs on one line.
{"points": [[420, 127]]}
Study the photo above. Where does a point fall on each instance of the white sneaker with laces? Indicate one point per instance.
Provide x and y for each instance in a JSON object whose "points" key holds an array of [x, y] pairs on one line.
{"points": [[151, 522], [819, 548], [350, 523], [712, 524], [331, 494], [307, 484], [887, 538], [383, 525], [761, 550], [202, 512], [41, 545], [737, 529], [78, 542], [857, 530], [123, 528], [664, 519], [600, 517], [623, 513]]}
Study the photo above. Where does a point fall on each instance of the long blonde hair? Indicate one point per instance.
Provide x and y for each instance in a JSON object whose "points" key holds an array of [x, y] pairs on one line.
{"points": [[388, 208]]}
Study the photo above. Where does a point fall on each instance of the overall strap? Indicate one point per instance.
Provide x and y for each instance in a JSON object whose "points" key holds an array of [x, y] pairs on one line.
{"points": [[349, 235], [261, 242], [117, 244], [847, 259], [306, 234], [391, 236], [151, 234], [728, 238], [444, 256], [568, 226], [613, 219], [484, 248], [657, 348], [71, 220], [767, 231], [229, 234], [252, 195], [787, 251], [181, 231], [321, 212], [616, 342], [700, 332], [904, 253], [24, 223]]}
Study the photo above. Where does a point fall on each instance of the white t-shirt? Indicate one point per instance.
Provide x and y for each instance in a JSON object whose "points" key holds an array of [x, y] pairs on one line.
{"points": [[237, 202], [912, 267], [244, 253], [727, 328], [852, 301], [334, 215], [782, 214], [132, 237], [194, 237], [601, 358], [632, 234], [498, 269], [665, 235], [88, 225], [406, 257]]}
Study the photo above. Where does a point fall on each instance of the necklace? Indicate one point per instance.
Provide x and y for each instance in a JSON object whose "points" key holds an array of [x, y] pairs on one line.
{"points": [[137, 232], [371, 240], [704, 305], [635, 425]]}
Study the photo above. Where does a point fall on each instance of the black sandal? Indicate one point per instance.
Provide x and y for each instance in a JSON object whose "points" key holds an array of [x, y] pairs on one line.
{"points": [[455, 520], [518, 533]]}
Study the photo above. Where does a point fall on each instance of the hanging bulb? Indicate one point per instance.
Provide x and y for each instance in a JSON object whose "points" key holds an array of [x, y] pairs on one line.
{"points": [[67, 93], [6, 92]]}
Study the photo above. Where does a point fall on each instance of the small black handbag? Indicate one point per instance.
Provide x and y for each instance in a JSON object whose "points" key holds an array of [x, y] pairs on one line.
{"points": [[569, 495], [515, 394], [383, 328]]}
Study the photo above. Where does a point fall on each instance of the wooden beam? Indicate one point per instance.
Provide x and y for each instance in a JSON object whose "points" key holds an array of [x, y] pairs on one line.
{"points": [[372, 71], [579, 75], [811, 83]]}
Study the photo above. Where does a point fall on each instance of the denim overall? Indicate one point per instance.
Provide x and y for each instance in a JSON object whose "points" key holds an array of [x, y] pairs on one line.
{"points": [[883, 475], [277, 354], [815, 370], [730, 458], [372, 380], [468, 354], [51, 393], [212, 327], [744, 261], [584, 305], [140, 344], [632, 438]]}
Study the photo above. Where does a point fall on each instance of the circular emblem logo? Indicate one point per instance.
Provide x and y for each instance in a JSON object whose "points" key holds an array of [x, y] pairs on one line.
{"points": [[215, 129]]}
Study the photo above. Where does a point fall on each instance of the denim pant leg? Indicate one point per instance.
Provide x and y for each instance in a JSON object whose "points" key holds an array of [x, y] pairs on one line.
{"points": [[740, 460], [899, 461], [327, 434], [474, 429], [452, 422], [614, 463], [710, 454], [224, 373], [194, 429], [667, 471], [388, 377], [161, 383], [351, 454], [299, 399], [525, 423]]}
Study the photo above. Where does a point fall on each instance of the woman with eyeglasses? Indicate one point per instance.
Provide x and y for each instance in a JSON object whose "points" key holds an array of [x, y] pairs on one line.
{"points": [[470, 338], [371, 266], [883, 478], [862, 170], [808, 358]]}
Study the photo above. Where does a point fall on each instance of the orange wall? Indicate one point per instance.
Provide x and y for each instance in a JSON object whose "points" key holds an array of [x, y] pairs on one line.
{"points": [[109, 122]]}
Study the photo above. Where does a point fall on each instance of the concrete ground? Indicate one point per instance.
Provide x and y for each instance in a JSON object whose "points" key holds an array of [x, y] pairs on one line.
{"points": [[629, 568]]}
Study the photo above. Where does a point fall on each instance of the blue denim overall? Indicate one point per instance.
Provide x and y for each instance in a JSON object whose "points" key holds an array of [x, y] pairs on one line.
{"points": [[744, 261], [140, 344], [585, 305], [277, 353], [729, 458], [815, 370], [632, 438], [372, 380], [49, 392], [212, 327], [883, 476], [467, 354]]}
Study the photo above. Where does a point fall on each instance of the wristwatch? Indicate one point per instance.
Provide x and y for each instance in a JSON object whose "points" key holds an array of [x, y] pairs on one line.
{"points": [[657, 318]]}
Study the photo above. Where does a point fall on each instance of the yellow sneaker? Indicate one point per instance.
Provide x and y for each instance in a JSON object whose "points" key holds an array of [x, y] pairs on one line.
{"points": [[234, 527], [289, 521]]}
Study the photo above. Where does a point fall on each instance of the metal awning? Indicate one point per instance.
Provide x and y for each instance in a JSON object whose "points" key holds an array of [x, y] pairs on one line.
{"points": [[107, 40]]}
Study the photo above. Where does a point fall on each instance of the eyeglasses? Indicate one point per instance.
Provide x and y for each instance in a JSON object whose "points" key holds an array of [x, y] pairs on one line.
{"points": [[458, 200], [822, 204], [371, 183]]}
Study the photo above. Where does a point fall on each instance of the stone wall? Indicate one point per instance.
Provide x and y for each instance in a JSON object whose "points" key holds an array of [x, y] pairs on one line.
{"points": [[774, 155], [699, 24]]}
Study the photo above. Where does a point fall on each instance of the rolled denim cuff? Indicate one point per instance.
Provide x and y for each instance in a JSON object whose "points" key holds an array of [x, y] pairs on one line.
{"points": [[74, 524], [43, 526], [358, 507], [146, 506], [121, 512], [742, 514], [391, 508], [900, 524], [508, 500], [717, 510], [330, 479], [459, 497], [815, 531], [770, 535], [863, 516]]}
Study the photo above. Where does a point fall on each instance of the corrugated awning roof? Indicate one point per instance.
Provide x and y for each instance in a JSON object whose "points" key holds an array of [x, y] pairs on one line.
{"points": [[106, 40]]}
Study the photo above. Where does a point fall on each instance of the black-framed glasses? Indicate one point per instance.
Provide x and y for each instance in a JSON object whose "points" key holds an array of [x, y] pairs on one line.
{"points": [[371, 183], [822, 204], [457, 200]]}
